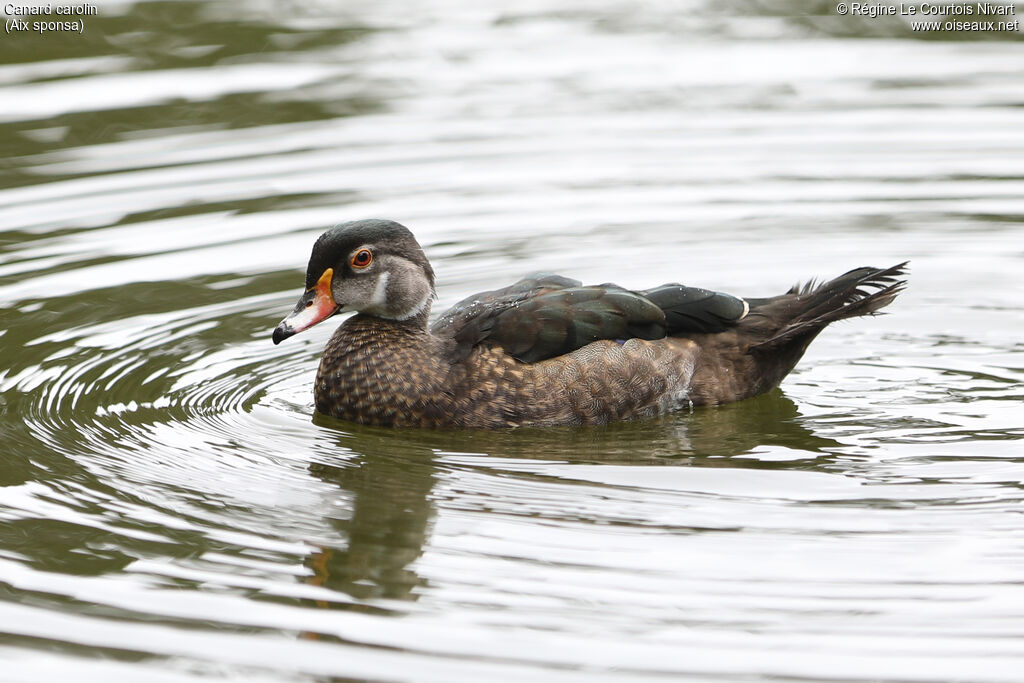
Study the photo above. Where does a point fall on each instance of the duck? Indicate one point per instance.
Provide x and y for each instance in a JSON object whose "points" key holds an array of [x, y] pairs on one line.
{"points": [[546, 350]]}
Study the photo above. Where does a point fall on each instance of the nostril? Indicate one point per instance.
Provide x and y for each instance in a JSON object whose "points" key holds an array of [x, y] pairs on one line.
{"points": [[308, 304]]}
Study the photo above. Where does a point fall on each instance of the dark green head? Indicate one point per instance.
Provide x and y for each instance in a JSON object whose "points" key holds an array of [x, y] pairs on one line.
{"points": [[375, 267]]}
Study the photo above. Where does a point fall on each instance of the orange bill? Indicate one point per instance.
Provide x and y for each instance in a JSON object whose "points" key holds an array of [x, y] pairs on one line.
{"points": [[315, 305]]}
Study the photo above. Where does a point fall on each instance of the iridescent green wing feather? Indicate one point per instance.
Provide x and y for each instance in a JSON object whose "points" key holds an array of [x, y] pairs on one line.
{"points": [[548, 315]]}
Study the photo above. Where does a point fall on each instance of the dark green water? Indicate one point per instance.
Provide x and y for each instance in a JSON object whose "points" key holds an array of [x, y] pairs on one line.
{"points": [[170, 510]]}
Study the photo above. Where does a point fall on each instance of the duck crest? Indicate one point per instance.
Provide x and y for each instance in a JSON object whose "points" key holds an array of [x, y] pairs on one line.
{"points": [[546, 350]]}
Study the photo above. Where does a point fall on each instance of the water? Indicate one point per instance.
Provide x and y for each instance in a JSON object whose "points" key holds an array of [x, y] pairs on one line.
{"points": [[171, 510]]}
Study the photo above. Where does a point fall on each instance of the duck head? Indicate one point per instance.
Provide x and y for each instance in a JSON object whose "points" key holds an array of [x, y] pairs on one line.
{"points": [[374, 267]]}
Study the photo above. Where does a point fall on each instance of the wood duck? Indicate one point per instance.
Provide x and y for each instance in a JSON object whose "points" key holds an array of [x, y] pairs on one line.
{"points": [[546, 350]]}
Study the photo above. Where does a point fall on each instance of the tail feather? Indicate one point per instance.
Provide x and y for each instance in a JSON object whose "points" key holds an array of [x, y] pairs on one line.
{"points": [[862, 291]]}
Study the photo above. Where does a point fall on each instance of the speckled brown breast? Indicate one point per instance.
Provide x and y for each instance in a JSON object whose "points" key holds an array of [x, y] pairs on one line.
{"points": [[385, 373]]}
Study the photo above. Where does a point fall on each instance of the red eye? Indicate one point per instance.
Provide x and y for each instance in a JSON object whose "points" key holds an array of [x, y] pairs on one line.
{"points": [[362, 258]]}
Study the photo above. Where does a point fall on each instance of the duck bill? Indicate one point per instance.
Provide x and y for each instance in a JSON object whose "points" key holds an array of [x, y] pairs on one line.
{"points": [[315, 305]]}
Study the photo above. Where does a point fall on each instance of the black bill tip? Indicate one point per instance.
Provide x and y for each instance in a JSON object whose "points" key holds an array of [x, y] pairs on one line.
{"points": [[282, 332]]}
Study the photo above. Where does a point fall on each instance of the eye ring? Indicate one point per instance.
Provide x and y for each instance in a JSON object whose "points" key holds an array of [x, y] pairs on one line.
{"points": [[361, 259]]}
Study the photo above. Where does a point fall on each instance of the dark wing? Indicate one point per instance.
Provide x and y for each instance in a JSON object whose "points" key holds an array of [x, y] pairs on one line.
{"points": [[691, 309], [474, 309], [559, 322], [548, 315]]}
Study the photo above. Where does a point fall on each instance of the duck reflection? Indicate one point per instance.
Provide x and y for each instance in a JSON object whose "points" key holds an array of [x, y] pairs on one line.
{"points": [[391, 479]]}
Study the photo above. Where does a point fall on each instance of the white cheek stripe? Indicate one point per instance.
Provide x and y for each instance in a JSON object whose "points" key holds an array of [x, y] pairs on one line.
{"points": [[415, 310], [380, 292]]}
